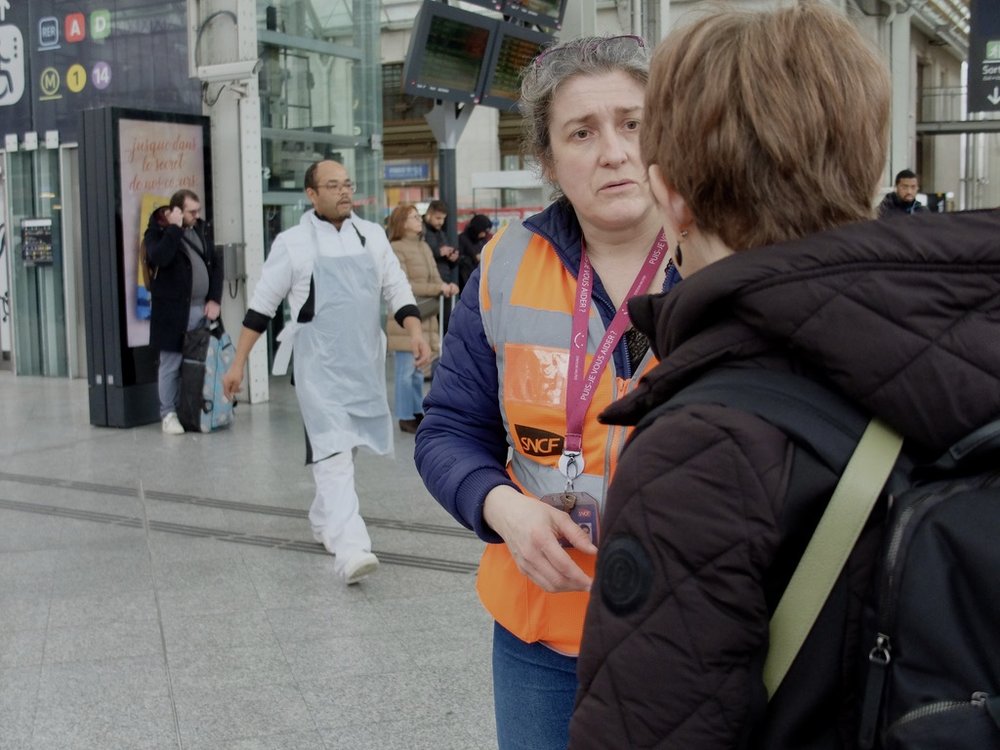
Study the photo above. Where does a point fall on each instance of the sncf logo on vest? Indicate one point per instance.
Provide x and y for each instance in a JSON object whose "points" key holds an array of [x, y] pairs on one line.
{"points": [[535, 442]]}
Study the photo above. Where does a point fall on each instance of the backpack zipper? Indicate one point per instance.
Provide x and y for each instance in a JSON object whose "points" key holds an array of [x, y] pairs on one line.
{"points": [[977, 701], [880, 655]]}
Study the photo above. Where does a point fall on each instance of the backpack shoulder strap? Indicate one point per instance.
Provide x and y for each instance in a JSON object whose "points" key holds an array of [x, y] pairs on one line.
{"points": [[814, 416], [831, 544], [840, 435]]}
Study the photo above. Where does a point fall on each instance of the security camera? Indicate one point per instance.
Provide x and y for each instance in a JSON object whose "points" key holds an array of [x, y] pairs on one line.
{"points": [[231, 71]]}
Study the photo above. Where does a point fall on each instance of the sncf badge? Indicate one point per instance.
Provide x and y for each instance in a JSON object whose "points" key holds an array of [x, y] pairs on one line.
{"points": [[534, 442]]}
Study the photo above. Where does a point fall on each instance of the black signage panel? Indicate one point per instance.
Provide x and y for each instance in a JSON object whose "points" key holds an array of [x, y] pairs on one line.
{"points": [[36, 242], [84, 54], [15, 94], [984, 56]]}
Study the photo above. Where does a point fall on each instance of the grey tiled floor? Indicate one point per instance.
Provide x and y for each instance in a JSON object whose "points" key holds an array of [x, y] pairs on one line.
{"points": [[165, 592]]}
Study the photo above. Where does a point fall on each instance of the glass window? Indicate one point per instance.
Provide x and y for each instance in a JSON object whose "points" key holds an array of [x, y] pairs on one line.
{"points": [[35, 243], [319, 97]]}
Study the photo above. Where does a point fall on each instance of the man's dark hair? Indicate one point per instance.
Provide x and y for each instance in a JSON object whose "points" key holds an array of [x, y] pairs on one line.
{"points": [[906, 174], [178, 198], [310, 178], [436, 207]]}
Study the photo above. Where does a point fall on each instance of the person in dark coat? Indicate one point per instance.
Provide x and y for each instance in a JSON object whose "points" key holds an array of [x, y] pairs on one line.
{"points": [[436, 237], [186, 285], [902, 201], [702, 525], [470, 244], [445, 255]]}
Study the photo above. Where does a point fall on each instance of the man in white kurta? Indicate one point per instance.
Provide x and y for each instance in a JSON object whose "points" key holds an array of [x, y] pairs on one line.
{"points": [[335, 268]]}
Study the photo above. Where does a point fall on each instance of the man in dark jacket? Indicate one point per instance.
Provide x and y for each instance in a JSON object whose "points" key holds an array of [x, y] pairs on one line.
{"points": [[903, 200], [445, 255], [186, 281]]}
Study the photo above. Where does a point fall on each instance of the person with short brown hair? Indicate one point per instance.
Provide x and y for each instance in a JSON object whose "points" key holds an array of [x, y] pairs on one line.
{"points": [[765, 136], [768, 149]]}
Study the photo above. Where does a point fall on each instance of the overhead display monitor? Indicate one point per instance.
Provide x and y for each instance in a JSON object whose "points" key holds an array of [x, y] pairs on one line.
{"points": [[547, 13], [447, 58], [514, 49], [496, 5]]}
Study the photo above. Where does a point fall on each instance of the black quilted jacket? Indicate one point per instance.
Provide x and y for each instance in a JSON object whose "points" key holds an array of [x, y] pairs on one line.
{"points": [[902, 317]]}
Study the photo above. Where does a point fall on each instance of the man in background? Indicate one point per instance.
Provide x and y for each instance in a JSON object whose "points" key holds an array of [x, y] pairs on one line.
{"points": [[185, 286], [336, 269], [902, 200], [445, 255]]}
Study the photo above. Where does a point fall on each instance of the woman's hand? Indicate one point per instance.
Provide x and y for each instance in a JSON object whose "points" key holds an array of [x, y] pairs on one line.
{"points": [[532, 530]]}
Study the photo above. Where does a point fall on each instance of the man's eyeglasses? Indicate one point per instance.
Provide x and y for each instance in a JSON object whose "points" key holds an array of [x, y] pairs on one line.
{"points": [[336, 187], [582, 52]]}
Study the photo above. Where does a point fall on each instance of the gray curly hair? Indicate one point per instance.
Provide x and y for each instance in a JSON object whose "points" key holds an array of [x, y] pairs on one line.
{"points": [[585, 56]]}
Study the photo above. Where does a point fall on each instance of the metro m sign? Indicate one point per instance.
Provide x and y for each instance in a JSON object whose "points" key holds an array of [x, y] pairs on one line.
{"points": [[984, 56]]}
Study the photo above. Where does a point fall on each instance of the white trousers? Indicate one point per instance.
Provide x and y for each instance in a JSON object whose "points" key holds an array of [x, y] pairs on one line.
{"points": [[335, 514]]}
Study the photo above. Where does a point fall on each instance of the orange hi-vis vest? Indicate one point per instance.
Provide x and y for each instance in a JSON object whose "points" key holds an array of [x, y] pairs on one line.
{"points": [[526, 299]]}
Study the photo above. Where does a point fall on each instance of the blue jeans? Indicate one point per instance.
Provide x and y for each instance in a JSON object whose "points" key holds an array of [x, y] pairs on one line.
{"points": [[409, 391], [168, 372], [534, 689]]}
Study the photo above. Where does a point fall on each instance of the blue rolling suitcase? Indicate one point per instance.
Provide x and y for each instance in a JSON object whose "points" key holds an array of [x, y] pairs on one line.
{"points": [[208, 352]]}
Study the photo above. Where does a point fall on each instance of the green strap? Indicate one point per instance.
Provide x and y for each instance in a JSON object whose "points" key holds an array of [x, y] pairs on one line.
{"points": [[829, 548]]}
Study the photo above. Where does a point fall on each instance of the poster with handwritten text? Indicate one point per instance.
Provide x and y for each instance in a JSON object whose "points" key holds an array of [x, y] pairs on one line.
{"points": [[156, 158]]}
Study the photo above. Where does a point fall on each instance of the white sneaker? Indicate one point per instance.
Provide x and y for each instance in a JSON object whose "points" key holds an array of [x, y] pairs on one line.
{"points": [[363, 564], [172, 425]]}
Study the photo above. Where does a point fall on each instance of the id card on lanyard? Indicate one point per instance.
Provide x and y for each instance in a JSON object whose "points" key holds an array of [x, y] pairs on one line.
{"points": [[582, 506]]}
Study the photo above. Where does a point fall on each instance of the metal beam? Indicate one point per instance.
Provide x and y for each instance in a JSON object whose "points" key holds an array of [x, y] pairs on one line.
{"points": [[310, 136], [307, 44], [961, 126]]}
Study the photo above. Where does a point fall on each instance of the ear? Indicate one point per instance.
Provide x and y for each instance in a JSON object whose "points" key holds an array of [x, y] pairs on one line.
{"points": [[674, 208]]}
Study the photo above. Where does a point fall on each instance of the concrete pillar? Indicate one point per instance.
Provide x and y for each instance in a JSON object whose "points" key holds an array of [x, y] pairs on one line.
{"points": [[902, 127], [234, 108], [580, 19]]}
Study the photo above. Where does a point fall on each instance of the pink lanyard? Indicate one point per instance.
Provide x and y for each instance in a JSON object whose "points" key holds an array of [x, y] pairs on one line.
{"points": [[580, 388]]}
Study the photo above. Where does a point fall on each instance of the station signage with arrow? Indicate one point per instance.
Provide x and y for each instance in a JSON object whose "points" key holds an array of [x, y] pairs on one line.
{"points": [[984, 56]]}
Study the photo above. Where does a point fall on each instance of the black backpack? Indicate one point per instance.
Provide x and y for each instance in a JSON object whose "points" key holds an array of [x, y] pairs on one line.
{"points": [[933, 672]]}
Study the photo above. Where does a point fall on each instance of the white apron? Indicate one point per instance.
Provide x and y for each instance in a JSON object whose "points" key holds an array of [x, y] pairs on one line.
{"points": [[340, 359]]}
